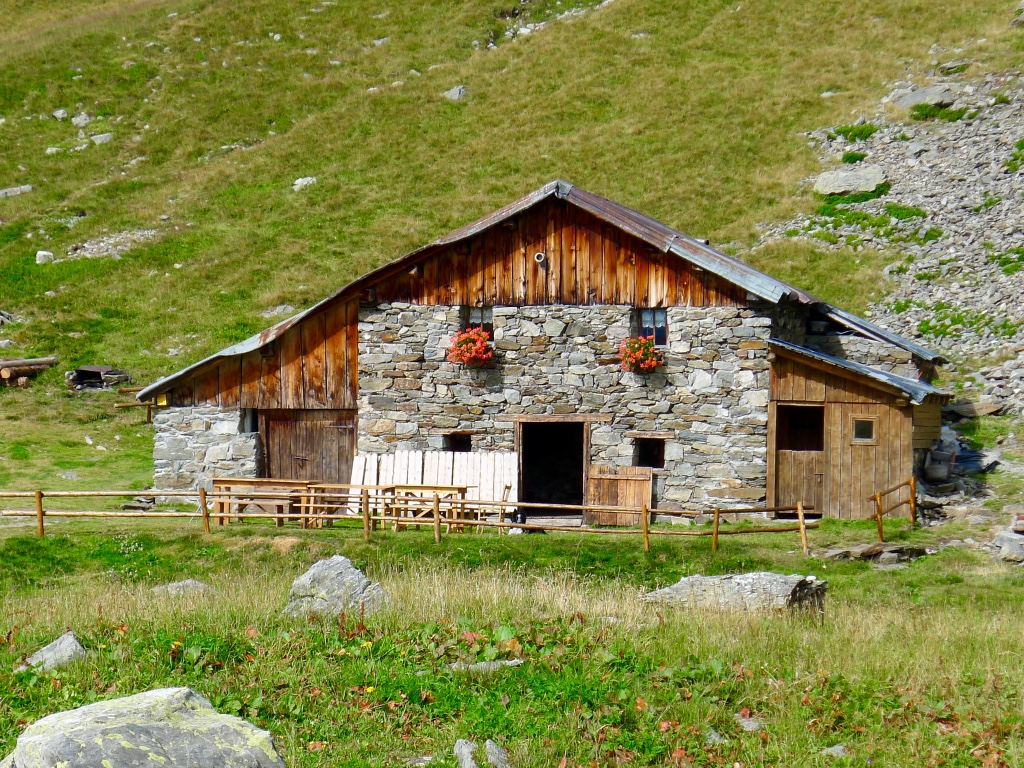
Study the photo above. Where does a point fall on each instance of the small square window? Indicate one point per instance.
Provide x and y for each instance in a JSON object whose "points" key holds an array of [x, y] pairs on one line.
{"points": [[478, 317], [652, 322], [649, 452], [458, 442], [863, 429], [249, 423]]}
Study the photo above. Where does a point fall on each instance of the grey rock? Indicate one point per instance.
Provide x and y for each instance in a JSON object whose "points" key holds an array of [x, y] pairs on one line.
{"points": [[101, 138], [168, 726], [12, 191], [6, 343], [301, 183], [64, 650], [180, 588], [878, 552], [81, 120], [60, 114], [280, 309], [862, 178], [496, 755], [758, 591], [484, 667], [713, 738], [938, 95], [1011, 546], [381, 41], [332, 587], [464, 753], [69, 475], [455, 94], [748, 724], [837, 750], [44, 257], [418, 762]]}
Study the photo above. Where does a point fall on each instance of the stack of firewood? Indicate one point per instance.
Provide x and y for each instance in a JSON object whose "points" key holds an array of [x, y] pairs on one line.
{"points": [[17, 371]]}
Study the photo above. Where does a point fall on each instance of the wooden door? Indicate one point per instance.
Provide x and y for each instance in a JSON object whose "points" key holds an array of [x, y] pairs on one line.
{"points": [[313, 445], [622, 487], [799, 476]]}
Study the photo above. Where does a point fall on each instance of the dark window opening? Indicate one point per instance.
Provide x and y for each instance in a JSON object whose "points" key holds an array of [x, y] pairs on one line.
{"points": [[800, 428], [249, 423], [863, 429], [551, 459], [652, 322], [478, 317], [649, 452], [458, 442]]}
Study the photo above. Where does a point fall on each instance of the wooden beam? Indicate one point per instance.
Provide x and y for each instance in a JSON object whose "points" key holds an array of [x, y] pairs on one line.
{"points": [[558, 417]]}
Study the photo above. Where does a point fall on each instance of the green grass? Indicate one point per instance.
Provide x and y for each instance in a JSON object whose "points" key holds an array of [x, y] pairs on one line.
{"points": [[1010, 262], [853, 157], [1016, 157], [607, 680], [904, 212], [935, 112], [861, 132]]}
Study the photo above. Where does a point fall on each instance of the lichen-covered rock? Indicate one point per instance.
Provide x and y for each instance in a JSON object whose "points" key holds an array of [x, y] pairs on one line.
{"points": [[759, 591], [64, 650], [169, 727], [180, 588], [332, 587], [864, 178]]}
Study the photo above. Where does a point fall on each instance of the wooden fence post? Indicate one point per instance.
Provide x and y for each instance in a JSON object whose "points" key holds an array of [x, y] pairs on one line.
{"points": [[40, 531], [202, 506], [645, 524], [364, 506], [878, 516], [437, 519], [913, 500], [803, 528], [714, 531]]}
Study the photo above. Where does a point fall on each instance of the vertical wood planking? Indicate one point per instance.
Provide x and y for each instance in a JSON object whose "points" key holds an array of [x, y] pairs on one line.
{"points": [[251, 370], [291, 369], [229, 387], [313, 335]]}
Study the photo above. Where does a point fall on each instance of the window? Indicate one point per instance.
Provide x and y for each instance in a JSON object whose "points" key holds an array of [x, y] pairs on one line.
{"points": [[864, 430], [800, 428], [478, 317], [649, 452], [652, 322], [249, 422], [458, 442]]}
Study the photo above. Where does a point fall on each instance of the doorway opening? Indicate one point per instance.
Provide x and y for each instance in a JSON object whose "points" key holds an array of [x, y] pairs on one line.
{"points": [[552, 463]]}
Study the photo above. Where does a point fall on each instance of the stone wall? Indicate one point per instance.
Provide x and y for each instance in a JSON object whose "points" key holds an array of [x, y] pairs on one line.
{"points": [[712, 392], [193, 445], [877, 354]]}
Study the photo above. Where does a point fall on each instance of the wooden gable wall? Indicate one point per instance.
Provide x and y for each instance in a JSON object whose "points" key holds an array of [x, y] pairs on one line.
{"points": [[796, 382], [311, 366], [588, 262]]}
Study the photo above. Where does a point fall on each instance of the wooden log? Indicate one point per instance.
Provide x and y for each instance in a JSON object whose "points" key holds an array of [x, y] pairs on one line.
{"points": [[714, 534], [40, 532], [12, 369], [803, 528], [913, 501], [437, 519], [364, 505], [206, 511], [645, 523], [878, 516]]}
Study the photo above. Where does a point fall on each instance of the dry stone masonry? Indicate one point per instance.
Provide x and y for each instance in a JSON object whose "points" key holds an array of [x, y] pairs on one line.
{"points": [[193, 445], [712, 392]]}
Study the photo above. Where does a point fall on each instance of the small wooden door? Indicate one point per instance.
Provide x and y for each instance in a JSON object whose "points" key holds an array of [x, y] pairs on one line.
{"points": [[799, 476], [313, 445], [622, 487]]}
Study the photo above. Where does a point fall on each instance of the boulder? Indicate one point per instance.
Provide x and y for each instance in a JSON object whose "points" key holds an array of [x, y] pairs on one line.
{"points": [[101, 138], [81, 120], [862, 178], [464, 753], [455, 94], [60, 114], [332, 587], [484, 667], [883, 553], [179, 588], [758, 591], [12, 191], [496, 755], [170, 727], [64, 650], [301, 183], [1011, 546], [938, 95], [44, 257]]}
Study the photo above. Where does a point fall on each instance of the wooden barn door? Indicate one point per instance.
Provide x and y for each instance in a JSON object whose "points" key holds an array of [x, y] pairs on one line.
{"points": [[622, 487], [314, 445], [799, 455]]}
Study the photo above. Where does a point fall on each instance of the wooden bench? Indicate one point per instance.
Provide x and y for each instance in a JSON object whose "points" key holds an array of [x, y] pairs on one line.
{"points": [[331, 499], [282, 496]]}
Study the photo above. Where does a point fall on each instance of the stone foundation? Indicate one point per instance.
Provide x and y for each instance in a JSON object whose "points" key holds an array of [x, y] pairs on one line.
{"points": [[193, 445], [712, 393]]}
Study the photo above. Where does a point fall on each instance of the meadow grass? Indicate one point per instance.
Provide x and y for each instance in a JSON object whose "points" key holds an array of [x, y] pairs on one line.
{"points": [[899, 677]]}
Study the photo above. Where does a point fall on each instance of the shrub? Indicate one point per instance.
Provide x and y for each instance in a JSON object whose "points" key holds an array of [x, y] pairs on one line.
{"points": [[853, 157], [933, 112], [856, 132], [470, 347], [1016, 158], [639, 354], [904, 212]]}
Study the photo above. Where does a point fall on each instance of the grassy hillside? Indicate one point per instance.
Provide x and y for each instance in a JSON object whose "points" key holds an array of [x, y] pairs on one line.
{"points": [[690, 112]]}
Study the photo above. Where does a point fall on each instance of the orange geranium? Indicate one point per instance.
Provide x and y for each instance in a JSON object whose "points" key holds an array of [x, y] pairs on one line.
{"points": [[639, 354], [470, 347]]}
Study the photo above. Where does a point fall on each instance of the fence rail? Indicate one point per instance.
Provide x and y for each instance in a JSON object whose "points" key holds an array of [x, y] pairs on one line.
{"points": [[881, 510], [379, 508]]}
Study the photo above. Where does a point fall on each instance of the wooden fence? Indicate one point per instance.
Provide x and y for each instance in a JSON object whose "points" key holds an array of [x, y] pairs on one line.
{"points": [[881, 510], [374, 508]]}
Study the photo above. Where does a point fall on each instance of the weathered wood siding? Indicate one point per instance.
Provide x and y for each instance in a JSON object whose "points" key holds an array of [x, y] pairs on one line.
{"points": [[587, 262], [853, 471], [312, 366], [927, 424]]}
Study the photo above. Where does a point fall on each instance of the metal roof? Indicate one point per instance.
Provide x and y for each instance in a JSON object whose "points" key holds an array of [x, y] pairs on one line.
{"points": [[916, 390], [651, 231]]}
